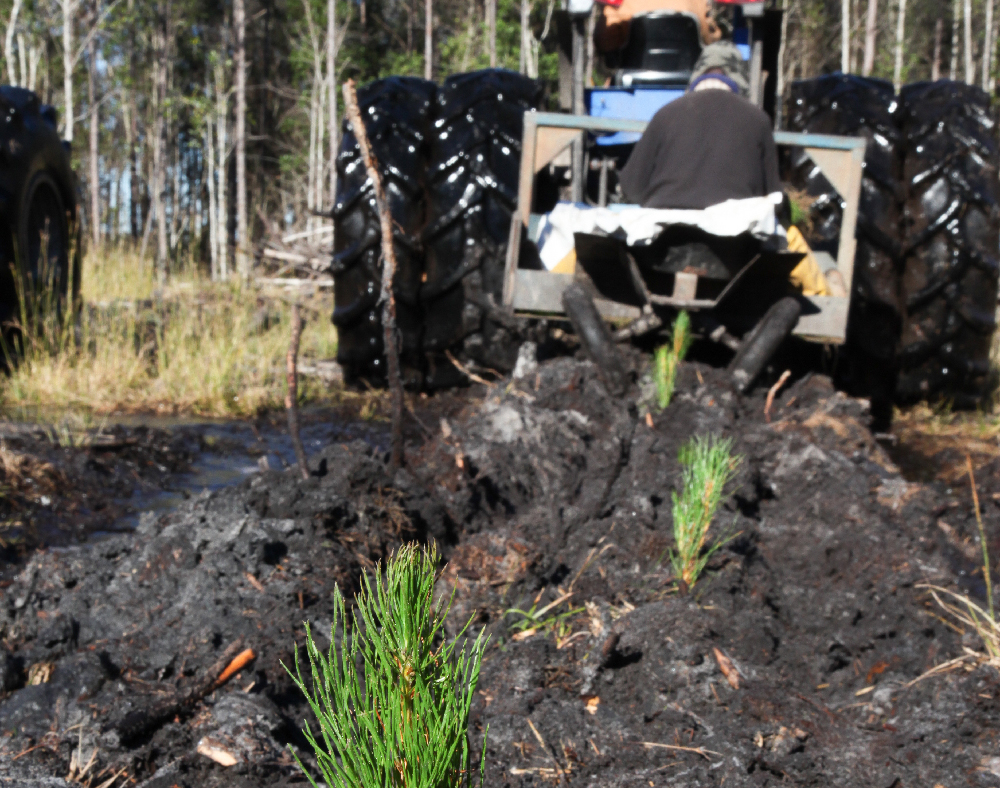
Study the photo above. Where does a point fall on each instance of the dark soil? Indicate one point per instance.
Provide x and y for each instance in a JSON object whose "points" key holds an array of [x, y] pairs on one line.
{"points": [[532, 491]]}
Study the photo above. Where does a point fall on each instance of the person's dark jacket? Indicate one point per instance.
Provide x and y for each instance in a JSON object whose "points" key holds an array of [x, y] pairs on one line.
{"points": [[702, 149]]}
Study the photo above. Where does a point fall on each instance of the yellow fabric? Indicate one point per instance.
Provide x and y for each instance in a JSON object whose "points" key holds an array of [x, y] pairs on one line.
{"points": [[807, 275], [567, 265]]}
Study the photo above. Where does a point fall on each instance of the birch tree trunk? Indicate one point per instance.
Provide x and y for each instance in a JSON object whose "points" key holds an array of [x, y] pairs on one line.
{"points": [[240, 140], [331, 81], [970, 69], [213, 219], [491, 28], [936, 63], [988, 45], [68, 10], [955, 14], [159, 174], [429, 39], [871, 31], [525, 37], [900, 36], [95, 183], [221, 126], [22, 59], [845, 36], [8, 44], [780, 76]]}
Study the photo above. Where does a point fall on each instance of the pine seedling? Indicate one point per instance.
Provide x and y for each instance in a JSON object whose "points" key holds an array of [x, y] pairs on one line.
{"points": [[401, 720], [668, 358], [708, 466]]}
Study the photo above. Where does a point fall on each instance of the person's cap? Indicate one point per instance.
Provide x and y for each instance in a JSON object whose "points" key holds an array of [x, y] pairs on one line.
{"points": [[724, 56]]}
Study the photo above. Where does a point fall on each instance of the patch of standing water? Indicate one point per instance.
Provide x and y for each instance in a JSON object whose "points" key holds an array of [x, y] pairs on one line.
{"points": [[235, 450]]}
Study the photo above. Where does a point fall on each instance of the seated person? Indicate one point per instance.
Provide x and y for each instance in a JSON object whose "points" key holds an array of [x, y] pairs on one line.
{"points": [[709, 146]]}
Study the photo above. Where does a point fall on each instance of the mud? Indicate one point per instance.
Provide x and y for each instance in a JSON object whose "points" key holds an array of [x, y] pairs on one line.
{"points": [[535, 490]]}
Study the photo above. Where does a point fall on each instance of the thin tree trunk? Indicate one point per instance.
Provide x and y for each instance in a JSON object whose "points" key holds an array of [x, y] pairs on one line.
{"points": [[292, 397], [779, 103], [871, 31], [970, 69], [988, 45], [491, 27], [213, 237], [429, 39], [68, 10], [22, 59], [845, 36], [159, 168], [8, 44], [331, 81], [386, 297], [900, 36], [34, 55], [240, 140], [588, 77], [525, 52], [95, 182], [936, 64], [221, 126], [955, 24]]}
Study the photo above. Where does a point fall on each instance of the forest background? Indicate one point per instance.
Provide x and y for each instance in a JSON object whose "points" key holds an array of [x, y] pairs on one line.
{"points": [[200, 126]]}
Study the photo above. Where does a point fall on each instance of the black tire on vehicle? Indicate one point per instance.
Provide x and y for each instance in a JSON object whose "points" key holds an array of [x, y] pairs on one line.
{"points": [[763, 341], [473, 182], [596, 339], [44, 242], [858, 106], [397, 116], [952, 233]]}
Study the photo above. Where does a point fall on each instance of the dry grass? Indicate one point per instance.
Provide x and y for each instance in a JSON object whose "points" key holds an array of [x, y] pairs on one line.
{"points": [[197, 348]]}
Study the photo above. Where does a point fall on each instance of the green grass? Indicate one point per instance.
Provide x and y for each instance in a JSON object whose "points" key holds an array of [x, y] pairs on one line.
{"points": [[545, 620], [403, 720], [668, 358], [708, 465], [196, 347]]}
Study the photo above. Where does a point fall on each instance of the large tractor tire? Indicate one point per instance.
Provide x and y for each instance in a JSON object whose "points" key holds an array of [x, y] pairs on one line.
{"points": [[473, 182], [397, 117], [856, 106], [39, 261], [952, 222]]}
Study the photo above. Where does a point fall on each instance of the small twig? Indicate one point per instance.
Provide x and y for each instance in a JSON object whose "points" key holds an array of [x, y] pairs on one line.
{"points": [[951, 664], [982, 538], [773, 392], [545, 747], [292, 397], [465, 371], [696, 750], [386, 296]]}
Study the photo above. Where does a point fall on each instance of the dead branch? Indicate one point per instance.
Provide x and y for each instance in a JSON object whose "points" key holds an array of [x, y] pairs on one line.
{"points": [[292, 397], [386, 297]]}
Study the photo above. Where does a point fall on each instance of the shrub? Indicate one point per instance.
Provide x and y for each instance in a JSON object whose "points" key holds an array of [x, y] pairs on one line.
{"points": [[708, 466], [403, 721], [668, 358]]}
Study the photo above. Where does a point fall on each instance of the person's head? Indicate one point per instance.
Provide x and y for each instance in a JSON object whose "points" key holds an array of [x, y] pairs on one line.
{"points": [[720, 65]]}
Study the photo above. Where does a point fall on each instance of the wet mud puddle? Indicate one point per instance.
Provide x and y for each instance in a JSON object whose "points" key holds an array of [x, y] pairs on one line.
{"points": [[61, 488]]}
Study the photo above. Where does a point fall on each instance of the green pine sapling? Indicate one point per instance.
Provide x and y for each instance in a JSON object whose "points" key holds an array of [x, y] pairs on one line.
{"points": [[668, 358], [403, 721]]}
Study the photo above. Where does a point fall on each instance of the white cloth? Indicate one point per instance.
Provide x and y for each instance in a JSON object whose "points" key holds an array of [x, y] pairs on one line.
{"points": [[639, 226]]}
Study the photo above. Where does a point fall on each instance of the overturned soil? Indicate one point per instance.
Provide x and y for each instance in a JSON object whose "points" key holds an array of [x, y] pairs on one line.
{"points": [[536, 490]]}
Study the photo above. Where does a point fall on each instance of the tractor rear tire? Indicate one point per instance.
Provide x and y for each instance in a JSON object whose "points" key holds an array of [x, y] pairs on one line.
{"points": [[759, 346], [858, 106], [952, 221], [397, 117], [475, 154]]}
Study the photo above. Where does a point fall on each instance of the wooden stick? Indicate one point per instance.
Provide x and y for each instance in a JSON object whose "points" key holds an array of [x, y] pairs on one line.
{"points": [[292, 397], [386, 297], [982, 538]]}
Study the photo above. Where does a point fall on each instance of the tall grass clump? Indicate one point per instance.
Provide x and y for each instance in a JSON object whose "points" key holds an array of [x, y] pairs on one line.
{"points": [[402, 720], [668, 358], [195, 347], [708, 465]]}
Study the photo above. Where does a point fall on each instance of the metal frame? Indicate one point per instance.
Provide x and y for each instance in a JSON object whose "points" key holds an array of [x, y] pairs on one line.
{"points": [[547, 134]]}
